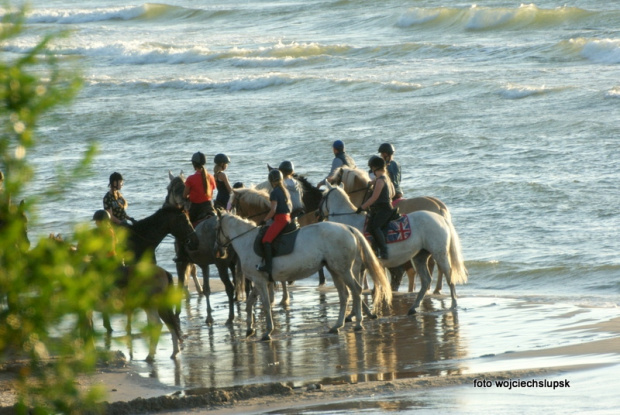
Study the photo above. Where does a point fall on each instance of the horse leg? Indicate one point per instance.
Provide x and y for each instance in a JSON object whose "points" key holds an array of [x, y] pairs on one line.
{"points": [[440, 275], [420, 261], [397, 276], [154, 330], [410, 274], [168, 316], [443, 265], [194, 273], [356, 293], [264, 297], [249, 310], [321, 277], [285, 297], [343, 295], [106, 322], [222, 269], [206, 290]]}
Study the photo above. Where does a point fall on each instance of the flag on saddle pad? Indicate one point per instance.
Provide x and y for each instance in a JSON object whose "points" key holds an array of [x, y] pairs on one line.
{"points": [[398, 230]]}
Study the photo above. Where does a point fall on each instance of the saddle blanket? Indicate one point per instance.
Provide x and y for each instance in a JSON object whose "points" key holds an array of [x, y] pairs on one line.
{"points": [[397, 230]]}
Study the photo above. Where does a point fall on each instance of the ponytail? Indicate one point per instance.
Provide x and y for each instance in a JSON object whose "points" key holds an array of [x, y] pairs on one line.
{"points": [[205, 181]]}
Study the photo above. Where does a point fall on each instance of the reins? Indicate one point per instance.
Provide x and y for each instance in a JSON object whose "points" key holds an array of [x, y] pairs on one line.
{"points": [[323, 203]]}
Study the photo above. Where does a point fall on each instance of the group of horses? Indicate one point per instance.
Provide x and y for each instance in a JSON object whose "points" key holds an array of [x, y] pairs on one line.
{"points": [[330, 236]]}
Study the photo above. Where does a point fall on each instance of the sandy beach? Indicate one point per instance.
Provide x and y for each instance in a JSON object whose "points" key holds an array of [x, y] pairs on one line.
{"points": [[524, 356]]}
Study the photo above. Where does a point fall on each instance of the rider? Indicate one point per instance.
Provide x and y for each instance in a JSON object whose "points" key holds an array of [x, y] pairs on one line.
{"points": [[199, 190], [114, 202], [340, 159], [379, 204], [293, 187], [221, 180], [393, 168], [280, 212]]}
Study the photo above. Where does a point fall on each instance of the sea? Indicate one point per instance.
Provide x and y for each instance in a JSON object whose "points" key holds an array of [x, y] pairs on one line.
{"points": [[508, 112]]}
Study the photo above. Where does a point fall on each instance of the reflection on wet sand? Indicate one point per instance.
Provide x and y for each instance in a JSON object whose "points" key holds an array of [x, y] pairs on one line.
{"points": [[395, 346]]}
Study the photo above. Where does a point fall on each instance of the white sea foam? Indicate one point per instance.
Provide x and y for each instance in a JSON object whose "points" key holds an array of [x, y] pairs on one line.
{"points": [[511, 91], [72, 16]]}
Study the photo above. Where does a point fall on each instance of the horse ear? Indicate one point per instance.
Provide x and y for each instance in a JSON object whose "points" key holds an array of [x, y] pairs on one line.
{"points": [[269, 168], [328, 185], [170, 176], [341, 185]]}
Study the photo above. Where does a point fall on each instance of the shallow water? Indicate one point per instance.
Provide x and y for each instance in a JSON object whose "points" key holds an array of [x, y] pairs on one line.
{"points": [[479, 337]]}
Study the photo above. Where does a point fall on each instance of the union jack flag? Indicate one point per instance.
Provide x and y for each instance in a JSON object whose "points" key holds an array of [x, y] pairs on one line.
{"points": [[398, 230]]}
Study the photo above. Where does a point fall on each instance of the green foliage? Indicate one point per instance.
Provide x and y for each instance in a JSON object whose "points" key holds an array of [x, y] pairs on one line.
{"points": [[48, 293]]}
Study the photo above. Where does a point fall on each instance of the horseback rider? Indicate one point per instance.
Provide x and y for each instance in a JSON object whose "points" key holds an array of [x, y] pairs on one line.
{"points": [[379, 204], [294, 189], [199, 190], [393, 168], [115, 203], [340, 159], [280, 212], [224, 190]]}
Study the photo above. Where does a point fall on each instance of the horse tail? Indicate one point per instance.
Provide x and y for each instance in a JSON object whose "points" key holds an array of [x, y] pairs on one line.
{"points": [[457, 264], [382, 294]]}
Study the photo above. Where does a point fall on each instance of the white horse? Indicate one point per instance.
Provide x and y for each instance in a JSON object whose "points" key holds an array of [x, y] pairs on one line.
{"points": [[431, 235], [342, 249]]}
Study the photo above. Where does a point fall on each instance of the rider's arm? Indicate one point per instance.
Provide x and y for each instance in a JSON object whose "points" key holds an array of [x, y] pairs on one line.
{"points": [[375, 194]]}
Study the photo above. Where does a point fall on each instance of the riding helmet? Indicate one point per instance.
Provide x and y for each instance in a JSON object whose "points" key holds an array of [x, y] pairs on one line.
{"points": [[199, 158], [376, 162], [386, 148], [275, 176], [338, 145], [116, 177], [101, 215], [286, 167], [221, 159]]}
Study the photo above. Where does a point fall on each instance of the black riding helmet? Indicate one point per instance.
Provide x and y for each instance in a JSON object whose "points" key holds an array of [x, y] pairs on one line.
{"points": [[275, 176], [221, 159], [386, 148], [286, 167], [376, 162], [199, 158], [101, 215]]}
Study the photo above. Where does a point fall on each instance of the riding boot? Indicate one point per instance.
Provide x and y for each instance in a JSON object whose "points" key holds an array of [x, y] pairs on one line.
{"points": [[268, 259], [379, 238]]}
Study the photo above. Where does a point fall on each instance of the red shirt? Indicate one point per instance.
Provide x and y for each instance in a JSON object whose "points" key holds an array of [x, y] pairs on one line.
{"points": [[197, 190]]}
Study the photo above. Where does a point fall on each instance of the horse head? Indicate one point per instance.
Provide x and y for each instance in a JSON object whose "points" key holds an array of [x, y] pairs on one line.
{"points": [[175, 188]]}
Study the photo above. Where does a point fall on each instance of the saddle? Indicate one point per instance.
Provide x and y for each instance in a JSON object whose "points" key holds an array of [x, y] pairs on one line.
{"points": [[397, 229], [284, 243]]}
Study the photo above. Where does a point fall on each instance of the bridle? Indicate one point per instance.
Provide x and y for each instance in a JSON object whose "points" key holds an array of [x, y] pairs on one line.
{"points": [[229, 240], [323, 206]]}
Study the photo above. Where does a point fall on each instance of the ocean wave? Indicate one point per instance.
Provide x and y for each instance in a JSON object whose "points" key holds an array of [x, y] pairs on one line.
{"points": [[512, 91], [250, 83], [606, 51], [486, 18], [147, 11]]}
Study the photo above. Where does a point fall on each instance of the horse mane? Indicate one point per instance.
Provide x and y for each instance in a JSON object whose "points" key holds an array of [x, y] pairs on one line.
{"points": [[254, 196], [306, 185], [349, 175]]}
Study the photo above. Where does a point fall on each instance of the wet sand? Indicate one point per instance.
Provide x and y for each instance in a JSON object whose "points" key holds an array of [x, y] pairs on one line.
{"points": [[435, 360]]}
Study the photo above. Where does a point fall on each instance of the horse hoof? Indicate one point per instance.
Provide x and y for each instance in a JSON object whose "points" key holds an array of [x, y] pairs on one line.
{"points": [[173, 356], [150, 358], [334, 330], [209, 321], [411, 312], [249, 332], [348, 319], [437, 292], [358, 328], [373, 316], [266, 338]]}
